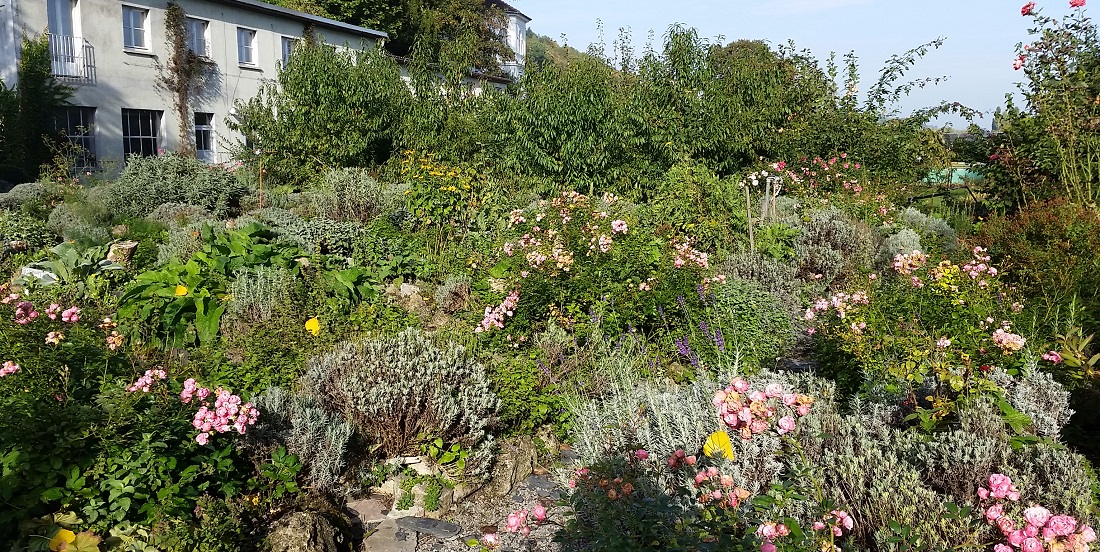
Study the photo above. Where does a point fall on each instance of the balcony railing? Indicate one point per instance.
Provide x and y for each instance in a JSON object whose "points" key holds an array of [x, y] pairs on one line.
{"points": [[72, 58]]}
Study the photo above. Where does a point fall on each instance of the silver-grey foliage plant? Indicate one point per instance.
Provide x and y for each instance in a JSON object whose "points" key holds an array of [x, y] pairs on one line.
{"points": [[402, 390]]}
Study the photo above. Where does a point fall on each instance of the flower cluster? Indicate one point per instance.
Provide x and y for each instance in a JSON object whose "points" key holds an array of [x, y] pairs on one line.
{"points": [[495, 316], [836, 521], [908, 263], [686, 254], [551, 237], [114, 339], [680, 458], [9, 368], [1037, 529], [841, 302], [226, 413], [1007, 341], [54, 338], [25, 313], [147, 380], [718, 489], [70, 315], [752, 412], [520, 522], [826, 175], [1052, 356]]}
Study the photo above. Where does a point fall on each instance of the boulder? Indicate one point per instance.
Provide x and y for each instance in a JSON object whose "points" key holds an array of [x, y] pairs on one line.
{"points": [[302, 532], [516, 461], [122, 252]]}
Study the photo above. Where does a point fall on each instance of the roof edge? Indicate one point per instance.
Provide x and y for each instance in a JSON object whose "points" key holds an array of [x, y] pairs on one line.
{"points": [[272, 9], [508, 8]]}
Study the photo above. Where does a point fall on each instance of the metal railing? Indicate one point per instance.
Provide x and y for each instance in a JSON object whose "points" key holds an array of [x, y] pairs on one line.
{"points": [[72, 58]]}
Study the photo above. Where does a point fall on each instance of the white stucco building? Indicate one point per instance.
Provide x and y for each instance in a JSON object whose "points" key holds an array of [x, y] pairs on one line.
{"points": [[108, 51], [517, 38]]}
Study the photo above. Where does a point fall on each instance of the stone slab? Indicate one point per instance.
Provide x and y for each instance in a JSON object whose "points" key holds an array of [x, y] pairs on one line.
{"points": [[434, 527], [388, 537]]}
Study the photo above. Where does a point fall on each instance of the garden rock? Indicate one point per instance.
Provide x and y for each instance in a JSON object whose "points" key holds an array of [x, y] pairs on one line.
{"points": [[388, 537], [303, 532], [516, 461], [122, 252], [434, 527], [372, 509]]}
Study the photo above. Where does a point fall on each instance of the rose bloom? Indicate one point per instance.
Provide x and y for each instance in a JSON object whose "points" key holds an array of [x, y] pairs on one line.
{"points": [[1037, 516], [1028, 9]]}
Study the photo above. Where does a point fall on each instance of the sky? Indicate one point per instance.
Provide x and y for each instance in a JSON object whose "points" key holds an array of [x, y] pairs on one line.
{"points": [[981, 35]]}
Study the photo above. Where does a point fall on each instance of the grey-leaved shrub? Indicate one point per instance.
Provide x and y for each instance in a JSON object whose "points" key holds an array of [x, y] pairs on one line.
{"points": [[182, 243], [69, 224], [936, 232], [258, 292], [175, 215], [350, 194], [400, 390], [1037, 394], [754, 321], [20, 194], [315, 235], [148, 182], [904, 240], [317, 437], [453, 294]]}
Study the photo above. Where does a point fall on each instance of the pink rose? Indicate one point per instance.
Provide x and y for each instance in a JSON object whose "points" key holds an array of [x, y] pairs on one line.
{"points": [[1037, 516], [1076, 3], [719, 398], [818, 526], [1016, 538], [1028, 9], [789, 398], [1062, 525], [983, 493], [642, 454], [767, 547], [1002, 548], [1032, 544], [773, 390], [1031, 531], [1006, 525], [994, 512], [539, 512], [786, 425], [740, 385], [690, 460], [1087, 534]]}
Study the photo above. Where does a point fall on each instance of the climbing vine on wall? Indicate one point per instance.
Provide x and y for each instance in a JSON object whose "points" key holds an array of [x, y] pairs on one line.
{"points": [[186, 75]]}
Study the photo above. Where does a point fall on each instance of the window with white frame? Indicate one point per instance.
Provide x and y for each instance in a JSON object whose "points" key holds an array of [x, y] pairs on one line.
{"points": [[289, 44], [204, 136], [246, 46], [134, 28], [140, 132], [197, 31], [77, 125]]}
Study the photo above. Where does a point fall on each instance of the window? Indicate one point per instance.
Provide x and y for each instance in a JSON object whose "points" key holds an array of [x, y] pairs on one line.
{"points": [[204, 136], [77, 125], [246, 46], [133, 27], [289, 44], [196, 37], [140, 131]]}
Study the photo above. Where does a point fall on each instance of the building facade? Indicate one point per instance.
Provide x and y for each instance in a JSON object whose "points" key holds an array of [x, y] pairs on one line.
{"points": [[111, 53], [516, 38]]}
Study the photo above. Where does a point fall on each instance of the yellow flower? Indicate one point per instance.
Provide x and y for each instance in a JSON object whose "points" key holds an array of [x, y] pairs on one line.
{"points": [[63, 536], [313, 326], [718, 442], [181, 291]]}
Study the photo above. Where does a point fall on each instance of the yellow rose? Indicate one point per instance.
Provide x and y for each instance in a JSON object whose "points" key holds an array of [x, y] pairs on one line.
{"points": [[181, 291], [313, 326]]}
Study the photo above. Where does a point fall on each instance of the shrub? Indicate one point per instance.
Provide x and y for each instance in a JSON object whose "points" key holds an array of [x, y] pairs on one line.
{"points": [[755, 326], [934, 231], [177, 215], [1049, 251], [26, 193], [779, 277], [316, 235], [258, 292], [149, 182], [402, 390], [15, 226], [317, 437], [903, 241], [182, 243], [345, 195], [1039, 396], [453, 294], [830, 245], [67, 223]]}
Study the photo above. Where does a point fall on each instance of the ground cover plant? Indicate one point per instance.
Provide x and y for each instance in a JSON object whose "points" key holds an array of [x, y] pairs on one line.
{"points": [[736, 323]]}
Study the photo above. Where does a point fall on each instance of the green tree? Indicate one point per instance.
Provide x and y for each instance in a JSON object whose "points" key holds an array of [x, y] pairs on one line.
{"points": [[27, 114], [327, 108]]}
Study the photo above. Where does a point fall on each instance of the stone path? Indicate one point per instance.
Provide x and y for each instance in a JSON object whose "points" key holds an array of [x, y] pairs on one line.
{"points": [[469, 520]]}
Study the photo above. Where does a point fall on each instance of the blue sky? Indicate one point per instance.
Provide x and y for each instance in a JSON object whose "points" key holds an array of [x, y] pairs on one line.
{"points": [[977, 57]]}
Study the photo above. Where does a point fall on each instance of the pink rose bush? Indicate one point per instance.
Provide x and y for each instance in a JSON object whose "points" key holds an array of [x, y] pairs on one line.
{"points": [[1032, 529], [495, 316], [146, 382], [8, 368], [225, 414], [751, 412]]}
